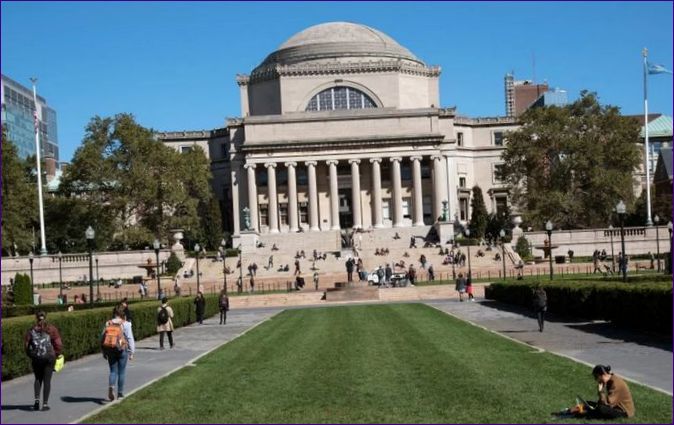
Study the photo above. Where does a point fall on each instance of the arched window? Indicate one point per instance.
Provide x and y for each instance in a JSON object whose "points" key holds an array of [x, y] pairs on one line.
{"points": [[340, 98]]}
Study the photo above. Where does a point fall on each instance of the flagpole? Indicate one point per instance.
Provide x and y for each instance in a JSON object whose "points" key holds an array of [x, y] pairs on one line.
{"points": [[649, 222], [43, 246]]}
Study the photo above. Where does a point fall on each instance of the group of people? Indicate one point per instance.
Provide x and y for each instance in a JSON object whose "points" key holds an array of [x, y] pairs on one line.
{"points": [[458, 258], [381, 251]]}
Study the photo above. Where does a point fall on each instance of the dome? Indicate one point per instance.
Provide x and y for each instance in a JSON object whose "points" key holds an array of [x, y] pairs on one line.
{"points": [[334, 40]]}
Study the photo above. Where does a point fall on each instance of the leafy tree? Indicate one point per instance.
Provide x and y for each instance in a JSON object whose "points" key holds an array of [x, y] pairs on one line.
{"points": [[479, 216], [68, 219], [522, 248], [19, 200], [23, 290], [571, 164], [173, 264]]}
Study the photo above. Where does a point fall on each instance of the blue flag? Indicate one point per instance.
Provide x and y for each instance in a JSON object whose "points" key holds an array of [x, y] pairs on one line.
{"points": [[657, 69]]}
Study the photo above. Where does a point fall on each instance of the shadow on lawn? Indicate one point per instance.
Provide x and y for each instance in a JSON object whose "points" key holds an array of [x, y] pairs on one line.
{"points": [[605, 329]]}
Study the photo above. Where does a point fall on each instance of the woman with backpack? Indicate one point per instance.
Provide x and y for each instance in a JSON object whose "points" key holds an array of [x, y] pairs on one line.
{"points": [[43, 344], [223, 303], [165, 322], [118, 347]]}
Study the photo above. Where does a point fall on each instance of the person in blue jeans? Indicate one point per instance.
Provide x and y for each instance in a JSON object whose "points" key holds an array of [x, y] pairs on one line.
{"points": [[117, 359]]}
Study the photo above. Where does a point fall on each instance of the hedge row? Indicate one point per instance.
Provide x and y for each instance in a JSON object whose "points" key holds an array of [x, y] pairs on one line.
{"points": [[80, 330], [643, 306], [30, 310]]}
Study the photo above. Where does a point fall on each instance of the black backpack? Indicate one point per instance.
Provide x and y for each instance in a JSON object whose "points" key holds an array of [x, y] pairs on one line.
{"points": [[163, 316], [39, 347]]}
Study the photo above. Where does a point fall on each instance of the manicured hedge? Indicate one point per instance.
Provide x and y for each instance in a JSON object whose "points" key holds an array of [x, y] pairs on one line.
{"points": [[645, 305], [30, 310], [80, 330]]}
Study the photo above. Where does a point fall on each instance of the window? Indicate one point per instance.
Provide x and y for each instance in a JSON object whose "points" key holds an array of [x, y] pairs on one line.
{"points": [[406, 171], [501, 205], [283, 212], [302, 178], [498, 173], [459, 138], [264, 214], [185, 149], [498, 138], [339, 98], [463, 208], [406, 207], [462, 182], [304, 212], [425, 171]]}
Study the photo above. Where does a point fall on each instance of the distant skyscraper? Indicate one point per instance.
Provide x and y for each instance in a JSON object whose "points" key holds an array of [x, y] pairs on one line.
{"points": [[17, 116], [520, 95]]}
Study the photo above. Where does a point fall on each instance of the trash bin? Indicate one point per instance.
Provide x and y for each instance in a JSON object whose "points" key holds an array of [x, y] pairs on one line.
{"points": [[560, 259]]}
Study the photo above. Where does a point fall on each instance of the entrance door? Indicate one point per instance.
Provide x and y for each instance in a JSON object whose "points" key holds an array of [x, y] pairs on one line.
{"points": [[345, 214]]}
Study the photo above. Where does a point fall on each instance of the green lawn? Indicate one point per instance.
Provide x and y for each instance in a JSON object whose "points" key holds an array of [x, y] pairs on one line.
{"points": [[384, 363]]}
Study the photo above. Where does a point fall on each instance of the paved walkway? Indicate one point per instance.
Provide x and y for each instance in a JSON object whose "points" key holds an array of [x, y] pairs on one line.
{"points": [[80, 389]]}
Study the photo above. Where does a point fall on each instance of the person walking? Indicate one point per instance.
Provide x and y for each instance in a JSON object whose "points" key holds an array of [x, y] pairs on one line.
{"points": [[469, 287], [316, 280], [165, 323], [297, 267], [431, 272], [460, 286], [42, 343], [412, 274], [540, 305], [388, 273], [118, 346], [223, 303], [252, 283], [349, 270], [200, 305]]}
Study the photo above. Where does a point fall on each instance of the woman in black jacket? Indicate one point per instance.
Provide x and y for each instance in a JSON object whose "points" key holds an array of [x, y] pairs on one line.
{"points": [[200, 306]]}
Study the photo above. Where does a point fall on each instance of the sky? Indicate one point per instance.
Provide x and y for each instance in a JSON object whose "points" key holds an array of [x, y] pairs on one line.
{"points": [[173, 64]]}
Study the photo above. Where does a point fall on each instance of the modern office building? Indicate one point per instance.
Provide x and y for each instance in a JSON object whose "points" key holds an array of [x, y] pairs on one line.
{"points": [[520, 95], [17, 116]]}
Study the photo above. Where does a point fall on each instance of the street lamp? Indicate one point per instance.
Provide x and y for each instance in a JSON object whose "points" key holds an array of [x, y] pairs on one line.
{"points": [[548, 229], [502, 233], [669, 229], [31, 257], [610, 229], [197, 249], [60, 257], [453, 262], [223, 243], [98, 280], [656, 219], [240, 285], [156, 245], [621, 209], [90, 233], [467, 232]]}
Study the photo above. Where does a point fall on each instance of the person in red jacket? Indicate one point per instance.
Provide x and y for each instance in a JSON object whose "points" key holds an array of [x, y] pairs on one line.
{"points": [[43, 344]]}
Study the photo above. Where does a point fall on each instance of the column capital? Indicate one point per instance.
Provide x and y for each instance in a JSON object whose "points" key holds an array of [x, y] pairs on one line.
{"points": [[249, 165], [436, 156], [290, 164], [395, 159], [373, 160], [270, 164], [332, 162], [354, 161], [416, 158], [308, 163]]}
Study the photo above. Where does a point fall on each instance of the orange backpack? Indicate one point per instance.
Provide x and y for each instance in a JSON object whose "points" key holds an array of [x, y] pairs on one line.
{"points": [[113, 337]]}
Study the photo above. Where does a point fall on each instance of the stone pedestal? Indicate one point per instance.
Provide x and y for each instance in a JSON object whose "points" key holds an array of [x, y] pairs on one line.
{"points": [[517, 231], [248, 239], [445, 231]]}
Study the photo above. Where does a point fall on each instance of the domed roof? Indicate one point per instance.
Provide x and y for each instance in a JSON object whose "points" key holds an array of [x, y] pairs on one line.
{"points": [[337, 40]]}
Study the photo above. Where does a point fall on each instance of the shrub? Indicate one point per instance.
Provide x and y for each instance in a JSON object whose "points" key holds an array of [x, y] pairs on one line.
{"points": [[522, 248], [23, 290], [231, 252], [173, 264], [80, 330], [646, 305]]}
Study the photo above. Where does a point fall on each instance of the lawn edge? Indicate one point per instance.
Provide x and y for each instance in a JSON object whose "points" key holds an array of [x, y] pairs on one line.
{"points": [[542, 350], [188, 363]]}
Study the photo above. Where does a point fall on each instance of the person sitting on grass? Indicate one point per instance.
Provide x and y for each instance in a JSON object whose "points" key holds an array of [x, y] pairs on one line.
{"points": [[615, 400]]}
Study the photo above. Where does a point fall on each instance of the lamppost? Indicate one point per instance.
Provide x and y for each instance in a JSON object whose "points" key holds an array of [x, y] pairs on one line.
{"points": [[98, 280], [610, 230], [197, 250], [621, 209], [156, 245], [467, 233], [656, 219], [453, 262], [502, 233], [223, 243], [240, 285], [60, 257], [548, 228], [90, 233], [31, 257], [669, 229]]}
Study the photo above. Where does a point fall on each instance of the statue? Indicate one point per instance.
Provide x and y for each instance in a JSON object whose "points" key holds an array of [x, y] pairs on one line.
{"points": [[444, 211], [246, 218]]}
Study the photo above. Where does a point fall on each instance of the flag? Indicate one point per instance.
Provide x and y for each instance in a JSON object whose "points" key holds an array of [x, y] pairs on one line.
{"points": [[657, 69]]}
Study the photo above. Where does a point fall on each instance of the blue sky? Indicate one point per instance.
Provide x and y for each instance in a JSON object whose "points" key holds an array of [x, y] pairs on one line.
{"points": [[173, 64]]}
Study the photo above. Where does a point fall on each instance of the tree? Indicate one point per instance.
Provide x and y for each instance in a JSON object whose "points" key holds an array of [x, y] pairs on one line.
{"points": [[571, 164], [68, 219], [479, 216], [19, 201], [523, 249], [23, 290]]}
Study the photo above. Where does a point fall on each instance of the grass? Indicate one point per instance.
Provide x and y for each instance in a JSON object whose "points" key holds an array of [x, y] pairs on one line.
{"points": [[385, 363]]}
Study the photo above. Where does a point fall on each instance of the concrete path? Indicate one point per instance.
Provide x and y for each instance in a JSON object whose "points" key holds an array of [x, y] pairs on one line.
{"points": [[81, 387], [640, 357]]}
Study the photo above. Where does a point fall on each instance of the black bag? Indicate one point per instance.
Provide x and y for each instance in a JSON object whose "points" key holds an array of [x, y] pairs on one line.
{"points": [[39, 347], [163, 316]]}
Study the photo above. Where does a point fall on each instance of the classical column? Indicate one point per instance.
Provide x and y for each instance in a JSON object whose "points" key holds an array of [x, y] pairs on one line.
{"points": [[252, 196], [273, 198], [418, 197], [235, 174], [292, 196], [355, 192], [438, 193], [451, 188], [397, 192], [334, 196], [313, 196], [376, 193]]}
